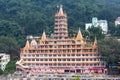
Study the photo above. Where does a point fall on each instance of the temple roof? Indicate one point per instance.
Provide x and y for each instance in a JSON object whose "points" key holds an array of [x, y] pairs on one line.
{"points": [[95, 43], [27, 46], [61, 13], [43, 38], [79, 36], [33, 42]]}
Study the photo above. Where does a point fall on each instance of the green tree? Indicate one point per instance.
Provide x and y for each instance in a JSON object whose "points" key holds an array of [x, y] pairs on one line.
{"points": [[76, 78], [117, 31], [1, 72], [10, 68], [8, 28], [109, 50], [9, 45], [95, 31]]}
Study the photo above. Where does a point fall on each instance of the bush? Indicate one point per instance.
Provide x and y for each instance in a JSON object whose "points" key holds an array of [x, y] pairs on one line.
{"points": [[10, 68]]}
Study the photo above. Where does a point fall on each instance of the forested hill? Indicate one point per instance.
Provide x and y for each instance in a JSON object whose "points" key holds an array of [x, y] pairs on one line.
{"points": [[19, 18]]}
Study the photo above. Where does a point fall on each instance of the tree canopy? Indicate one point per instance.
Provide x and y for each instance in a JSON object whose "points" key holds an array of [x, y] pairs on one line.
{"points": [[109, 50], [9, 45], [10, 68], [34, 16], [76, 78]]}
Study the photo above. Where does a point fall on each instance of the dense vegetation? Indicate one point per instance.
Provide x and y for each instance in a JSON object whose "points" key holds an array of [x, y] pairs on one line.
{"points": [[76, 78], [109, 49], [10, 68], [19, 18], [34, 16]]}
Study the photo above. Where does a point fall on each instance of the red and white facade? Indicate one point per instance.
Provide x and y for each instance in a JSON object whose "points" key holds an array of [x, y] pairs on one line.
{"points": [[60, 53], [117, 21]]}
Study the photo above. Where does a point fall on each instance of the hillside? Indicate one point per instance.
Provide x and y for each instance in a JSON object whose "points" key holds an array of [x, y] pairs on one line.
{"points": [[19, 18]]}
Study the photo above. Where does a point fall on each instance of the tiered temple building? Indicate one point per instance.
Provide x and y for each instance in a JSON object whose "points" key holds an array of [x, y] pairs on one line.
{"points": [[60, 53]]}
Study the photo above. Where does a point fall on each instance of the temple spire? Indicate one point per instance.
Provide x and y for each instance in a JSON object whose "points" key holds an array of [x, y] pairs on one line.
{"points": [[60, 28], [95, 43], [60, 13], [43, 38], [27, 46], [79, 35]]}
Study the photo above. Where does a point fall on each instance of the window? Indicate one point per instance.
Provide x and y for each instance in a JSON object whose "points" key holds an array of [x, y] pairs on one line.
{"points": [[68, 59], [73, 54], [50, 59], [64, 59], [95, 59], [86, 59], [54, 55], [95, 50], [45, 55], [86, 54], [78, 60], [41, 59], [68, 54], [83, 54], [78, 64], [33, 55], [59, 59], [68, 46], [82, 59], [50, 46], [90, 59], [78, 54], [33, 59], [37, 59], [24, 59], [91, 54], [41, 54], [50, 54], [59, 54], [54, 59], [29, 59], [64, 55], [79, 50], [73, 50], [46, 64], [46, 59], [55, 51], [73, 59], [37, 64], [37, 55], [29, 55]]}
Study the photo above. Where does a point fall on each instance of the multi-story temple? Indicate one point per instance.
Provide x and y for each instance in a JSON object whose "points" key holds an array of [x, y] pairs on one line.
{"points": [[60, 53]]}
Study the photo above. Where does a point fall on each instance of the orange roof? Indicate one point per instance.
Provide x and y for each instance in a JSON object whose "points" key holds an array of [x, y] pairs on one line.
{"points": [[95, 43], [79, 36], [61, 13], [27, 46], [43, 38]]}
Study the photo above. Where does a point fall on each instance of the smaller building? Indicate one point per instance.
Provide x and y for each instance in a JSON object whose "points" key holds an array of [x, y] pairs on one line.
{"points": [[98, 23], [4, 59], [117, 21]]}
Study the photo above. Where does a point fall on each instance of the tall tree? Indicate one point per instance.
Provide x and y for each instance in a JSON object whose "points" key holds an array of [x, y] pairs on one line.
{"points": [[10, 46], [95, 31], [109, 49]]}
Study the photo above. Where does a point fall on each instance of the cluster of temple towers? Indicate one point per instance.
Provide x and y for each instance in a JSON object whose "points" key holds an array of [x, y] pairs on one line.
{"points": [[60, 53]]}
